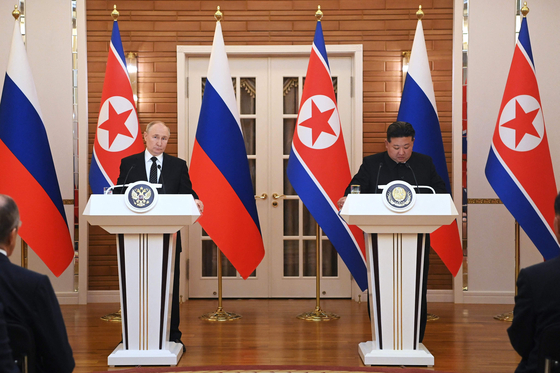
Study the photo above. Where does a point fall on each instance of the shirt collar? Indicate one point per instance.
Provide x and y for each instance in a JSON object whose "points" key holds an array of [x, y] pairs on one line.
{"points": [[392, 164], [2, 251], [148, 157]]}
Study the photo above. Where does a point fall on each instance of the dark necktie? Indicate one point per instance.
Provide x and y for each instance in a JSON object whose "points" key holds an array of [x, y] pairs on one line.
{"points": [[153, 171]]}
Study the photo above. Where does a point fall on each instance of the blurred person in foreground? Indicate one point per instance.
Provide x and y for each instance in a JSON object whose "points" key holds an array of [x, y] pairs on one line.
{"points": [[537, 305], [29, 299]]}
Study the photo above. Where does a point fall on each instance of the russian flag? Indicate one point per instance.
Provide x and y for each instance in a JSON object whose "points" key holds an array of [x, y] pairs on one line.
{"points": [[418, 107], [219, 169], [519, 166], [27, 167], [318, 166], [118, 132]]}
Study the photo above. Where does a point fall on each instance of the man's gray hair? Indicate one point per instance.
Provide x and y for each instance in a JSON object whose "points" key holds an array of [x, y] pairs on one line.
{"points": [[149, 126], [9, 217]]}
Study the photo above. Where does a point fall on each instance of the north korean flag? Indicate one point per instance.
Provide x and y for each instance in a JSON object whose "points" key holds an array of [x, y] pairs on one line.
{"points": [[118, 132], [519, 166], [318, 166]]}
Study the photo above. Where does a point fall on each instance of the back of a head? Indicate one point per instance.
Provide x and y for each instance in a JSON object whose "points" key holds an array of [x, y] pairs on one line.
{"points": [[9, 217], [400, 129]]}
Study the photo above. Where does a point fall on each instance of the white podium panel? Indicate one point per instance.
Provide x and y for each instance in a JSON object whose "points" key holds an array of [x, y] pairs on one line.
{"points": [[146, 254], [395, 263]]}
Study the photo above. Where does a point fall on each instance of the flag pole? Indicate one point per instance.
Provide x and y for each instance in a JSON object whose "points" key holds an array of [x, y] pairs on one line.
{"points": [[220, 314], [114, 316], [318, 314], [508, 316]]}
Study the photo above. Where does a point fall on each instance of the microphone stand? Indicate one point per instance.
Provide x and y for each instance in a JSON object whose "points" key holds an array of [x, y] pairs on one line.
{"points": [[318, 314]]}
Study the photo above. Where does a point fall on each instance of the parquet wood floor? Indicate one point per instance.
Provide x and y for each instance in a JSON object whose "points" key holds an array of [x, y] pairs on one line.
{"points": [[465, 339]]}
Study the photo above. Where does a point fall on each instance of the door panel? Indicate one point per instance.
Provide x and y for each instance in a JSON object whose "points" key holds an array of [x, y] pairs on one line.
{"points": [[268, 90]]}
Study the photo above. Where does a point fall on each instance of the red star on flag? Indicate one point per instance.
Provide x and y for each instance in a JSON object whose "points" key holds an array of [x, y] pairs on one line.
{"points": [[318, 122], [116, 124], [522, 123]]}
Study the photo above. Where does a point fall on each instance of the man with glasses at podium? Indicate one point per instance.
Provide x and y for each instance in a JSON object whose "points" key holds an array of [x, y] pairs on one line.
{"points": [[399, 162], [158, 167]]}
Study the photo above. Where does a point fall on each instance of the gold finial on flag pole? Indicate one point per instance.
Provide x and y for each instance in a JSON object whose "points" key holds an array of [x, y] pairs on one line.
{"points": [[218, 15], [16, 12], [115, 13], [525, 9], [318, 13], [420, 13]]}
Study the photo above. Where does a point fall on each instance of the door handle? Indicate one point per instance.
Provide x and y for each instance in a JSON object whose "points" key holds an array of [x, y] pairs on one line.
{"points": [[262, 196], [276, 195]]}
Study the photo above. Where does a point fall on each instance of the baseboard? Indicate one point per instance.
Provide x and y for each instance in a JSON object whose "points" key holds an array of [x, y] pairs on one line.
{"points": [[103, 296], [441, 296], [69, 297], [489, 297]]}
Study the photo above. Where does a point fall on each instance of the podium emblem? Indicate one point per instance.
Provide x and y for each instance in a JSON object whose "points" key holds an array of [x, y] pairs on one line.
{"points": [[141, 196], [399, 196]]}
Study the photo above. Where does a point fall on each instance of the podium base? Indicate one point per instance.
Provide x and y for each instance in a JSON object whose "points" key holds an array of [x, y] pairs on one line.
{"points": [[169, 356], [419, 357]]}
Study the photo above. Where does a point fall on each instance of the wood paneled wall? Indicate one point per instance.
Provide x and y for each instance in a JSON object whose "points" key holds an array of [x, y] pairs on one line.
{"points": [[154, 28]]}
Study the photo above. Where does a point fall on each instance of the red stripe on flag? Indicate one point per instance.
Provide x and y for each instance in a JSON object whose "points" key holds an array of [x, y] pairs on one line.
{"points": [[43, 228], [241, 242], [447, 244]]}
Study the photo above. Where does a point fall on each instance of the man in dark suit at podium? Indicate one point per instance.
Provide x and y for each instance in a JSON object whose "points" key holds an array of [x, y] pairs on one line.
{"points": [[156, 166], [29, 299], [537, 305], [399, 162]]}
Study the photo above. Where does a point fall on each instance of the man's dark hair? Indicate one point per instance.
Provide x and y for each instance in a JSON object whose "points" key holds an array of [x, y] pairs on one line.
{"points": [[400, 129], [9, 217], [557, 205]]}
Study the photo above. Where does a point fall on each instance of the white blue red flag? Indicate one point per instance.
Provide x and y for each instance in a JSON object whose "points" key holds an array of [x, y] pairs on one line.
{"points": [[318, 166], [219, 169], [519, 166], [27, 167], [118, 131], [418, 107]]}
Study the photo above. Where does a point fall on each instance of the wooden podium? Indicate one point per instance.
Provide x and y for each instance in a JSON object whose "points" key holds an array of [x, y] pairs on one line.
{"points": [[395, 269], [146, 254]]}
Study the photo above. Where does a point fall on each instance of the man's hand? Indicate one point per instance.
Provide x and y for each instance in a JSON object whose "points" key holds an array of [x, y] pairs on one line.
{"points": [[200, 205], [340, 202]]}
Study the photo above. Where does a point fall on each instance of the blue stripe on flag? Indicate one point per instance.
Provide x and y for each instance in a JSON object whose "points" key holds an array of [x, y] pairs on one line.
{"points": [[227, 151], [329, 220], [524, 39], [24, 134], [117, 43], [520, 207], [319, 42], [417, 110], [97, 181]]}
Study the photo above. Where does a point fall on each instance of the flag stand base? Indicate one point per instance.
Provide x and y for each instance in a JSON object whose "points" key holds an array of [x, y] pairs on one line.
{"points": [[220, 315], [318, 315], [508, 316], [114, 317]]}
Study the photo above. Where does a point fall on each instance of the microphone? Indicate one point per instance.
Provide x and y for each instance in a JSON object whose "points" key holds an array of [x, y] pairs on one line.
{"points": [[413, 175], [161, 178], [377, 179], [125, 179]]}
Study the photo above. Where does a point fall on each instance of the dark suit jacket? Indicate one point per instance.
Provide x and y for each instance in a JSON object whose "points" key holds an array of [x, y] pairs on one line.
{"points": [[537, 305], [421, 166], [7, 364], [174, 174], [174, 177], [29, 299]]}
